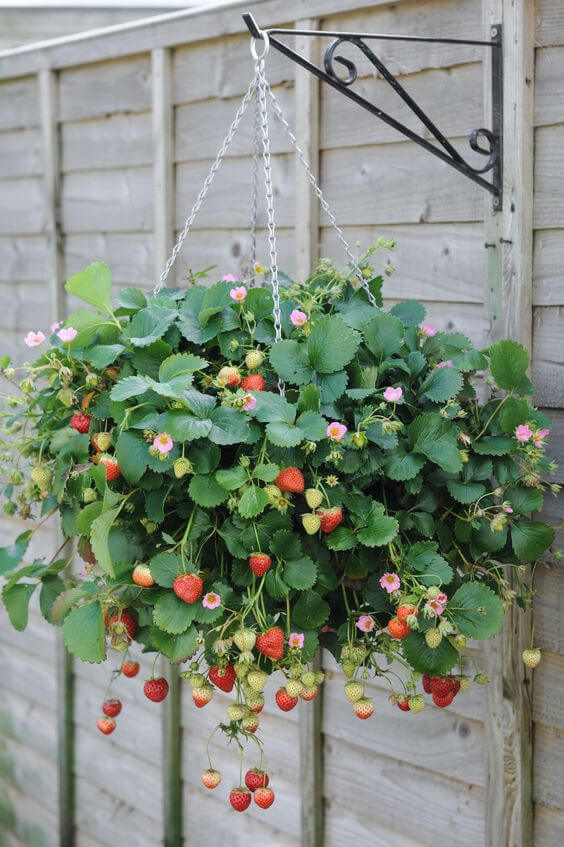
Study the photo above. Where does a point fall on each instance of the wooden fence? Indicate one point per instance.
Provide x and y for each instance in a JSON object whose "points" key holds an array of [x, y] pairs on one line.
{"points": [[104, 141]]}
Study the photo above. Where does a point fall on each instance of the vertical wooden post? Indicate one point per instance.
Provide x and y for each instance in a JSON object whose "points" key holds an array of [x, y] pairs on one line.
{"points": [[508, 719], [47, 82], [163, 202], [306, 119], [307, 247]]}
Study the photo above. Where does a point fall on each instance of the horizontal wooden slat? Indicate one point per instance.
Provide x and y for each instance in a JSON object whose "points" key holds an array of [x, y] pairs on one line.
{"points": [[228, 69], [548, 274], [22, 258], [354, 776], [432, 261], [106, 817], [29, 723], [549, 827], [548, 602], [103, 201], [548, 356], [549, 96], [230, 250], [25, 769], [20, 153], [446, 95], [437, 740], [549, 755], [228, 203], [103, 88], [129, 255], [24, 817], [396, 183], [201, 127], [24, 93], [549, 177], [122, 140], [549, 22], [16, 299], [21, 209]]}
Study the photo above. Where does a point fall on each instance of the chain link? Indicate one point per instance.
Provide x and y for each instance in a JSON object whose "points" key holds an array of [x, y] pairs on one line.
{"points": [[207, 183], [254, 191], [264, 90], [321, 197]]}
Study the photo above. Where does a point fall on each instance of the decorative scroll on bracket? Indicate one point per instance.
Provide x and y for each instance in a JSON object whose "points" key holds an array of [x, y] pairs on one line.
{"points": [[485, 142]]}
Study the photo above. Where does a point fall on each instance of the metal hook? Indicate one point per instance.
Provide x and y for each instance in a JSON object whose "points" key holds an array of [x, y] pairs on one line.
{"points": [[266, 41]]}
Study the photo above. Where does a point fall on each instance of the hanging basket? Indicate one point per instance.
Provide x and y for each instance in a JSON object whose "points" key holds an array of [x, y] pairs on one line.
{"points": [[252, 473]]}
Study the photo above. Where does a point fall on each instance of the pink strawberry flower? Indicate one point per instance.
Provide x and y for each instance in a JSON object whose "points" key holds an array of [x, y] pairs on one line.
{"points": [[229, 278], [336, 431], [539, 436], [393, 395], [441, 598], [238, 294], [211, 600], [523, 432], [433, 608], [390, 582], [55, 326], [427, 330], [249, 402], [508, 510], [298, 318], [163, 443], [296, 640], [34, 339], [366, 623], [67, 334], [447, 363]]}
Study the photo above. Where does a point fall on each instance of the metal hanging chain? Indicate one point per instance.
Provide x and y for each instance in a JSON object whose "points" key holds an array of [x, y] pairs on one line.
{"points": [[207, 183], [254, 191], [321, 197]]}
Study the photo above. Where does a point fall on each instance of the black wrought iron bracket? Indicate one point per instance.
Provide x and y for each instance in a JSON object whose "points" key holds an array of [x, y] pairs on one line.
{"points": [[486, 142]]}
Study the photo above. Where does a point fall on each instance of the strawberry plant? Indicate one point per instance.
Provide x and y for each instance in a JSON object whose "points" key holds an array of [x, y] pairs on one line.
{"points": [[366, 484]]}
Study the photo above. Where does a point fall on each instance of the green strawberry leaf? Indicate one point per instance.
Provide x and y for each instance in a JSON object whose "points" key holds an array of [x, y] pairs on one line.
{"points": [[93, 285], [331, 344], [165, 567], [177, 648], [253, 502], [173, 615], [99, 538], [508, 363], [310, 611], [475, 610], [16, 602], [300, 573], [422, 658], [206, 491], [530, 539], [433, 569], [132, 453], [441, 384], [465, 492], [84, 634]]}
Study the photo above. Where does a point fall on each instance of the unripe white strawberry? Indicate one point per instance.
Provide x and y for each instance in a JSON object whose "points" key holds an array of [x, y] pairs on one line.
{"points": [[531, 657], [294, 687], [256, 680], [89, 495], [181, 467], [308, 678], [416, 703], [433, 638], [313, 497], [254, 359], [245, 639], [354, 691], [235, 712], [311, 523], [42, 477]]}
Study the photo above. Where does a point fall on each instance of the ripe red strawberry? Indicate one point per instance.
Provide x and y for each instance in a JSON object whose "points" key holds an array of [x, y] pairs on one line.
{"points": [[223, 678], [202, 695], [441, 686], [188, 586], [406, 609], [125, 618], [403, 704], [211, 778], [309, 693], [142, 576], [455, 684], [256, 703], [156, 689], [81, 422], [284, 701], [426, 682], [397, 629], [106, 725], [112, 467], [253, 382], [330, 518], [264, 797], [259, 563], [130, 669], [240, 798], [229, 376], [255, 778], [441, 702], [290, 479], [271, 643], [111, 708]]}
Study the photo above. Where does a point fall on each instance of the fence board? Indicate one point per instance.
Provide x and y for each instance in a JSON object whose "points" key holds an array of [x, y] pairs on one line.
{"points": [[103, 201], [22, 258], [549, 827], [102, 88], [549, 599], [548, 277], [549, 96], [101, 814], [548, 356], [21, 210], [547, 693], [549, 177], [549, 754], [549, 22], [129, 255], [20, 153], [121, 140], [24, 93]]}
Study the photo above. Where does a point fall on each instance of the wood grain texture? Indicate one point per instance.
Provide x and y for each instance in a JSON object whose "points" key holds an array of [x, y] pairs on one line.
{"points": [[548, 356], [162, 156], [549, 753], [22, 258], [119, 140], [549, 595], [21, 210], [549, 21], [549, 97], [548, 263], [24, 93], [549, 177], [90, 91], [549, 827], [102, 201], [20, 153], [129, 255]]}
